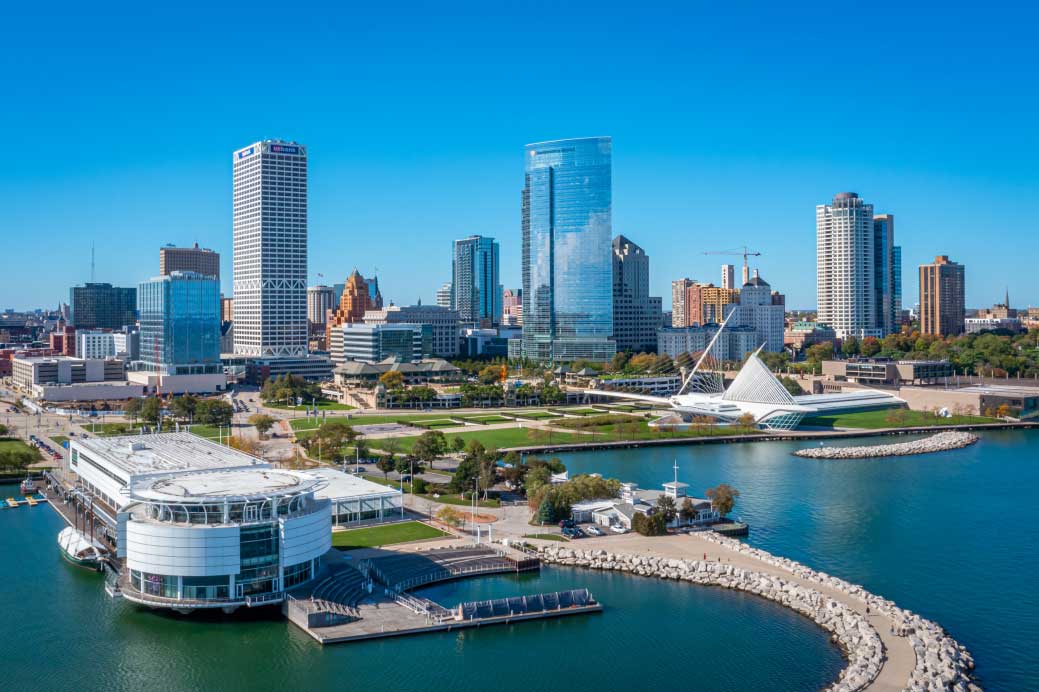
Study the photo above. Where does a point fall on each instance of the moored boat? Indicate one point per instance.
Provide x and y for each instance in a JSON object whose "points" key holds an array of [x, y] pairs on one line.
{"points": [[79, 549], [28, 486]]}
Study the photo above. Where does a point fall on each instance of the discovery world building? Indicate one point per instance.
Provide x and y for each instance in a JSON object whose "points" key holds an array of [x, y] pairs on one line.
{"points": [[197, 525]]}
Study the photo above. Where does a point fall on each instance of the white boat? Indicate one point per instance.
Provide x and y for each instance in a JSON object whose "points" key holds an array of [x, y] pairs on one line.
{"points": [[79, 549]]}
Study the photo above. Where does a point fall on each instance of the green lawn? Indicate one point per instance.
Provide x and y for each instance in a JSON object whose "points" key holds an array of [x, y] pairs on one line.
{"points": [[311, 423], [321, 406], [579, 411], [111, 429], [484, 420], [498, 438], [438, 423], [879, 419], [386, 534], [547, 537], [60, 440], [537, 415], [13, 445], [445, 499]]}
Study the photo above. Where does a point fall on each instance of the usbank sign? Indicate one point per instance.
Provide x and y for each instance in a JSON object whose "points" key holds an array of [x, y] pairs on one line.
{"points": [[246, 152], [284, 149]]}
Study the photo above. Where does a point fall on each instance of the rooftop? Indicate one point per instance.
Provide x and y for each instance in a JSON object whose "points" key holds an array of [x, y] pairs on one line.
{"points": [[241, 483], [343, 486], [164, 452]]}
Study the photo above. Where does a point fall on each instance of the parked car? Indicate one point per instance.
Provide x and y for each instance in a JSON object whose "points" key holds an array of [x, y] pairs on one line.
{"points": [[594, 530], [617, 528]]}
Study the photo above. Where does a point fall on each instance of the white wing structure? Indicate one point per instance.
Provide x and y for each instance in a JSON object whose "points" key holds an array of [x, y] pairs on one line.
{"points": [[755, 392]]}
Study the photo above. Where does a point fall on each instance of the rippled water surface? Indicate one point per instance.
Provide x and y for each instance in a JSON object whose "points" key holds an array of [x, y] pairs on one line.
{"points": [[954, 536]]}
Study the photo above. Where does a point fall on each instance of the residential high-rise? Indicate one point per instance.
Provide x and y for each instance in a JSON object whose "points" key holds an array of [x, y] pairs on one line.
{"points": [[845, 266], [189, 259], [711, 302], [180, 334], [567, 266], [320, 299], [270, 249], [444, 295], [102, 306], [942, 297], [226, 309], [887, 274], [728, 276], [680, 313], [476, 290], [636, 316]]}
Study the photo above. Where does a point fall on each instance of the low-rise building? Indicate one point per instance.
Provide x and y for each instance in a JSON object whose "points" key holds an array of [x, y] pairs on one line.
{"points": [[443, 324], [377, 342], [976, 325], [883, 371], [1016, 401], [427, 371], [801, 335], [30, 371], [311, 367]]}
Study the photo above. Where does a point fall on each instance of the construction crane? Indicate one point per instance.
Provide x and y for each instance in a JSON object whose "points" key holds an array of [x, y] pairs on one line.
{"points": [[742, 250]]}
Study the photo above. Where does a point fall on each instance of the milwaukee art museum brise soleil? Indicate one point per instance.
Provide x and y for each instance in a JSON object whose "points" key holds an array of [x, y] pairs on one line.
{"points": [[755, 391]]}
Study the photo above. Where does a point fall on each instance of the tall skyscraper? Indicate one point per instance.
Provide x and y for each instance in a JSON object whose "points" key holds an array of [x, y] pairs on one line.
{"points": [[320, 299], [102, 306], [636, 316], [270, 249], [845, 266], [476, 281], [355, 300], [728, 276], [942, 297], [567, 266], [680, 312], [180, 333], [189, 259], [444, 295], [887, 274]]}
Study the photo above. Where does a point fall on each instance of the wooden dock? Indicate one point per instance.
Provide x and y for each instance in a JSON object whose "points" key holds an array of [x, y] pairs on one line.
{"points": [[28, 500]]}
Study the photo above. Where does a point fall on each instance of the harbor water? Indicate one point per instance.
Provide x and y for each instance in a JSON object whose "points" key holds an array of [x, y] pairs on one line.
{"points": [[950, 535]]}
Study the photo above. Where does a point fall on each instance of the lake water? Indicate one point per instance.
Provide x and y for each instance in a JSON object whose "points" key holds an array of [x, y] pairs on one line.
{"points": [[950, 535]]}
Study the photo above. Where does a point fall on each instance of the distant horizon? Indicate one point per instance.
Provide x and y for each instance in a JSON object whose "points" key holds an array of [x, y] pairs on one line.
{"points": [[729, 125]]}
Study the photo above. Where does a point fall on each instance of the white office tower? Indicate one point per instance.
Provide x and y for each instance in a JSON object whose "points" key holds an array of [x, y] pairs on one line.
{"points": [[729, 276], [845, 266], [270, 249]]}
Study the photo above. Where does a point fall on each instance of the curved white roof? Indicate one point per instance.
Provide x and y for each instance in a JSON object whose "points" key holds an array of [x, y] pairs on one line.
{"points": [[217, 486]]}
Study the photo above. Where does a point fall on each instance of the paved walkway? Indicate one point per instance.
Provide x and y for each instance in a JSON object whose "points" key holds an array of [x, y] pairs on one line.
{"points": [[901, 659]]}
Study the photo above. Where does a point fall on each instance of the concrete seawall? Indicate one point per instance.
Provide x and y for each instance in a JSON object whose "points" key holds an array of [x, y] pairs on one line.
{"points": [[887, 648], [941, 442]]}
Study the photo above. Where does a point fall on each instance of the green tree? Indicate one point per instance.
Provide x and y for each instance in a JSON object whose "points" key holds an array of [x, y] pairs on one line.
{"points": [[132, 409], [430, 446], [151, 410], [850, 346], [490, 375], [791, 385], [546, 512], [870, 346], [620, 361], [687, 512], [183, 407], [457, 444], [214, 412], [386, 463], [723, 497], [665, 506], [262, 422]]}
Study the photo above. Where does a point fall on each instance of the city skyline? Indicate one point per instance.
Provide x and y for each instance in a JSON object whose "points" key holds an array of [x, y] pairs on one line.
{"points": [[679, 168]]}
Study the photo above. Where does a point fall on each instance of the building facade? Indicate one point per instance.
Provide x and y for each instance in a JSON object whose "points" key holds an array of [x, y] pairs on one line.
{"points": [[202, 261], [102, 306], [636, 316], [444, 324], [887, 274], [757, 310], [845, 266], [942, 299], [270, 249], [476, 291], [93, 344], [444, 295], [567, 267], [354, 300], [679, 299], [372, 343], [728, 276], [320, 299], [733, 344]]}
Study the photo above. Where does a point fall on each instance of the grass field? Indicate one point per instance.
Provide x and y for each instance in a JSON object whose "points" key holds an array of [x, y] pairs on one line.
{"points": [[438, 423], [60, 439], [484, 420], [13, 445], [873, 420], [445, 499], [579, 411], [547, 537], [311, 423], [112, 429], [537, 415], [498, 438], [387, 534], [321, 406]]}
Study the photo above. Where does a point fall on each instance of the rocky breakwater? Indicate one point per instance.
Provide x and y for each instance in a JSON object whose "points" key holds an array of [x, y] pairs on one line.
{"points": [[935, 443], [946, 665], [942, 663]]}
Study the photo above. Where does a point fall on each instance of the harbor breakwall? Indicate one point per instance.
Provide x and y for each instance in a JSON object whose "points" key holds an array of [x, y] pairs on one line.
{"points": [[941, 442], [941, 662]]}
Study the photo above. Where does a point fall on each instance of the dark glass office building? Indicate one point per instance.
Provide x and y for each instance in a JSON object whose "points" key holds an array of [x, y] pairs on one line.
{"points": [[567, 253], [180, 324], [102, 306]]}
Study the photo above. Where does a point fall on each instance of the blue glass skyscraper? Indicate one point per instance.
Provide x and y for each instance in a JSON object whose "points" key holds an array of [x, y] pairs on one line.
{"points": [[475, 282], [567, 252], [180, 324]]}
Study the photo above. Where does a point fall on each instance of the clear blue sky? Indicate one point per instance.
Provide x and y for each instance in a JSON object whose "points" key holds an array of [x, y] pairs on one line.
{"points": [[729, 126]]}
